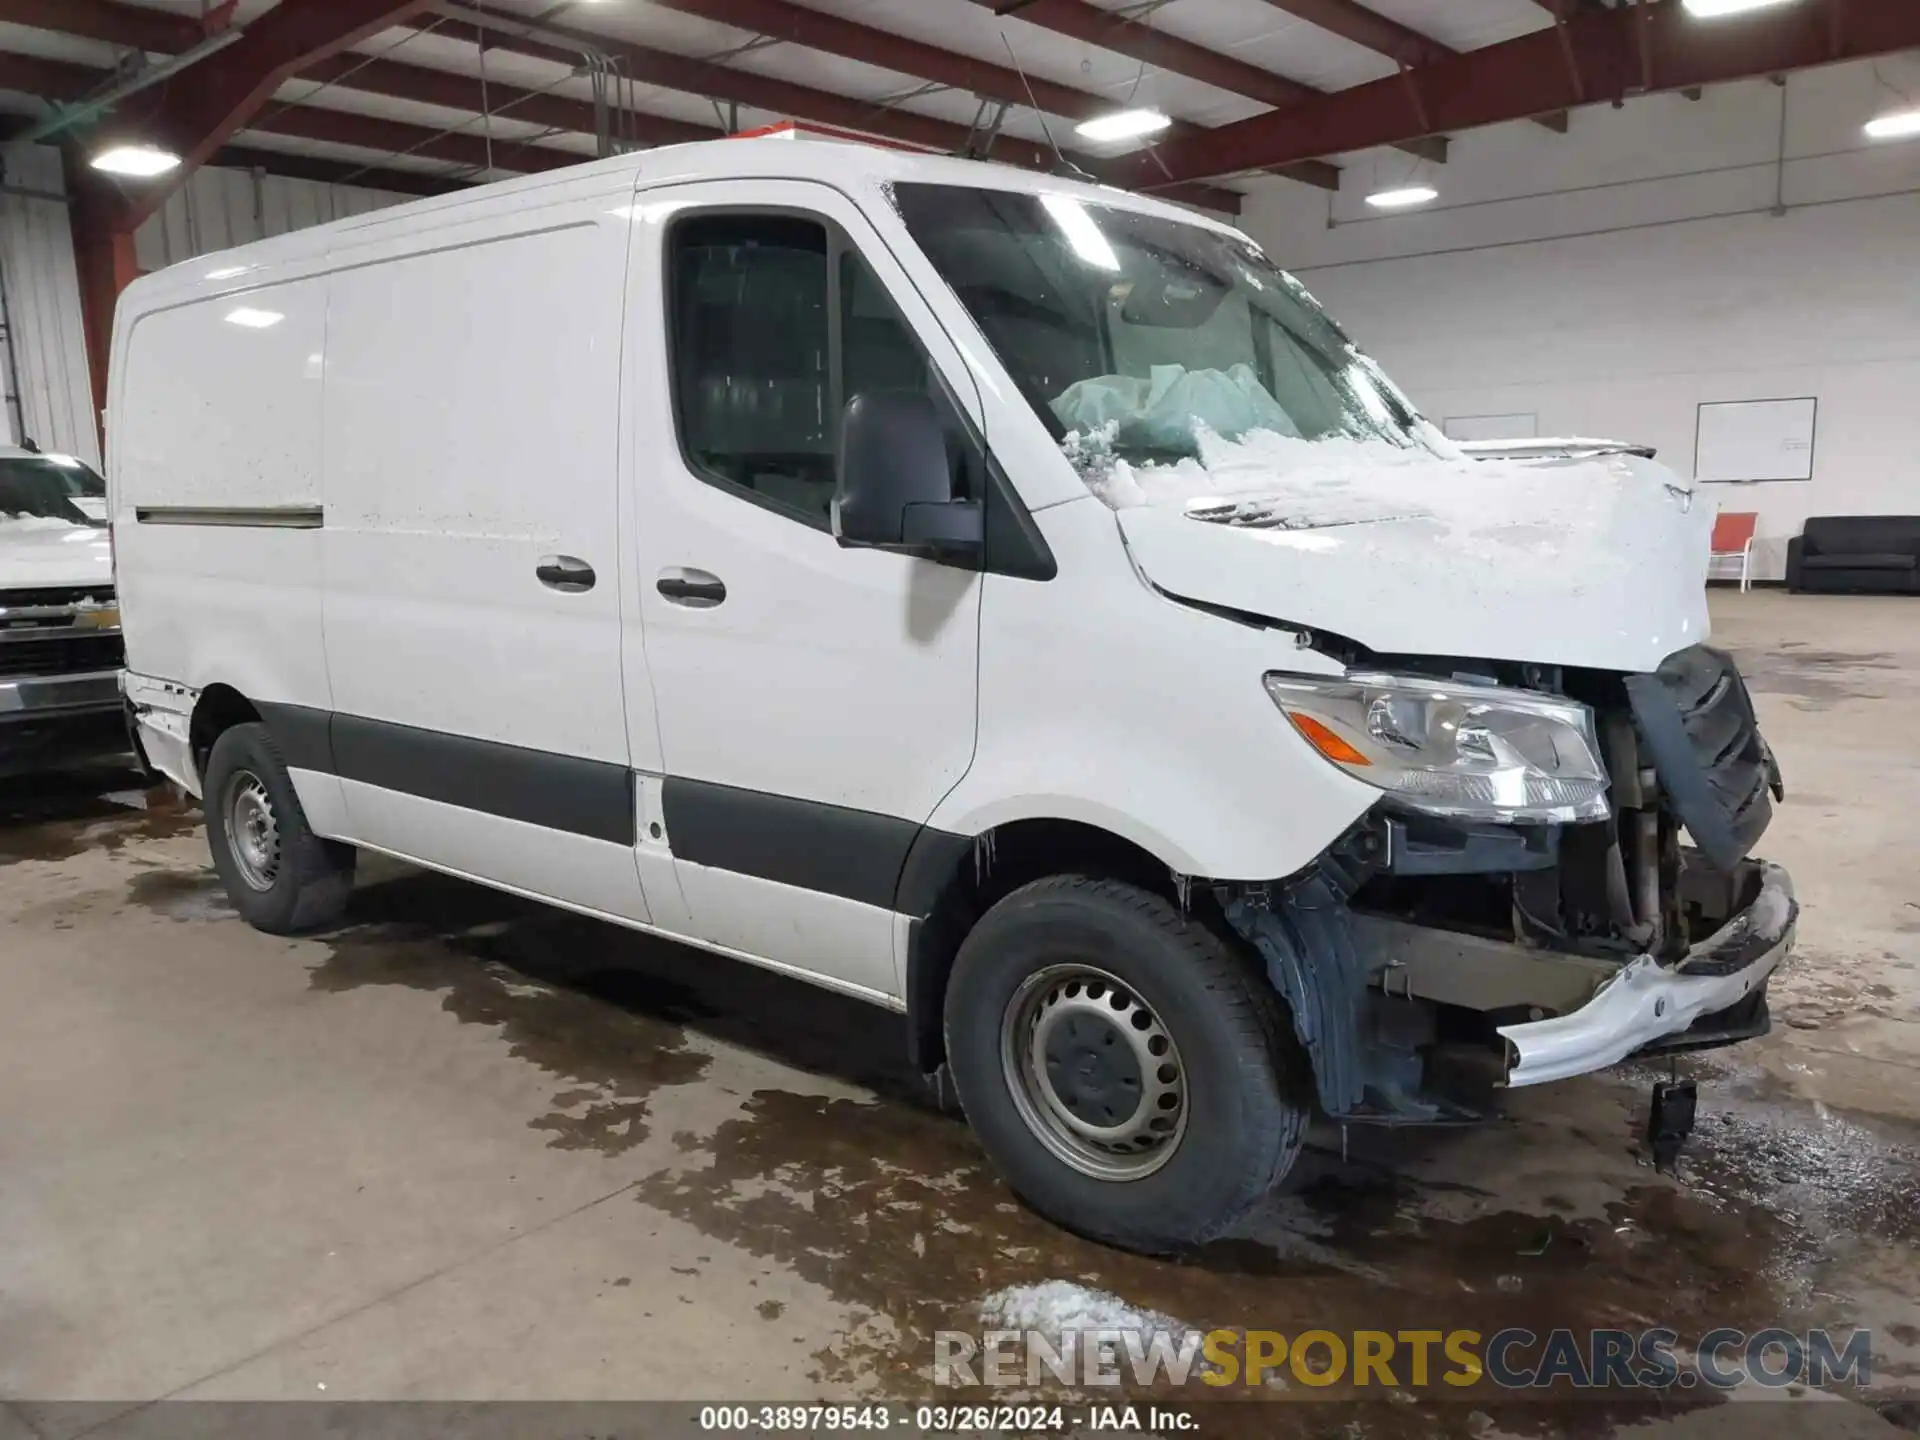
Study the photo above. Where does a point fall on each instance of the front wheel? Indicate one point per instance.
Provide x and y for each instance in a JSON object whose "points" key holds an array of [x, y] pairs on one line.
{"points": [[280, 876], [1127, 1069]]}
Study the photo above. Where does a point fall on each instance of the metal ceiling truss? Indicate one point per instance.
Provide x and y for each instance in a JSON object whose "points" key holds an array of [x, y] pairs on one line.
{"points": [[1589, 53]]}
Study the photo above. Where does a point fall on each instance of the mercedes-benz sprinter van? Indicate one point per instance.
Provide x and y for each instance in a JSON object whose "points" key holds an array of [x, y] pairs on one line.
{"points": [[1013, 602]]}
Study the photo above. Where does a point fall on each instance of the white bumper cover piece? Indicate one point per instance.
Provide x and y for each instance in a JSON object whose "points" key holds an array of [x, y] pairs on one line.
{"points": [[1646, 1001]]}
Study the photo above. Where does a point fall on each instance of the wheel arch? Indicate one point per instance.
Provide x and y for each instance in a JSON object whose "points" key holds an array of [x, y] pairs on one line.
{"points": [[950, 881], [218, 709]]}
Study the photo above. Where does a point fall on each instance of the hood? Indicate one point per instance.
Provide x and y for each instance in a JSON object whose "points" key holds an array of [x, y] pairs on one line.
{"points": [[1599, 563], [36, 552]]}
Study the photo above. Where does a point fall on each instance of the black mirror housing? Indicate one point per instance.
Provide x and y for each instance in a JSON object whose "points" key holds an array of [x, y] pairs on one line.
{"points": [[895, 483]]}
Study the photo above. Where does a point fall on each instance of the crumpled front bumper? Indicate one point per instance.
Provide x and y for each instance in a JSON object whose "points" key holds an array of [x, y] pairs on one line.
{"points": [[1645, 1001]]}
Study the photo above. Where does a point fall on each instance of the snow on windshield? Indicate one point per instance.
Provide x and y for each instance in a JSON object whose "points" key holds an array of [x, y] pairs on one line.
{"points": [[1499, 509]]}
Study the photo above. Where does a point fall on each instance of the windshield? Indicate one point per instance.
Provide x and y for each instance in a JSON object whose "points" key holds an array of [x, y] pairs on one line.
{"points": [[1142, 337], [40, 489]]}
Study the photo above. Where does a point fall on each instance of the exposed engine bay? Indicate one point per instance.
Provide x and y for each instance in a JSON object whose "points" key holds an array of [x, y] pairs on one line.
{"points": [[1683, 753], [1571, 946]]}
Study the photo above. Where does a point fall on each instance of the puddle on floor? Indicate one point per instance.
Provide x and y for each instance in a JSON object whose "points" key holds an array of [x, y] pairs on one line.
{"points": [[192, 894], [58, 816], [892, 1208]]}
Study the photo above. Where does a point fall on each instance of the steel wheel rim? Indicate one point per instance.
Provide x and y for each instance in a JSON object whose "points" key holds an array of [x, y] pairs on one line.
{"points": [[253, 830], [1072, 1038]]}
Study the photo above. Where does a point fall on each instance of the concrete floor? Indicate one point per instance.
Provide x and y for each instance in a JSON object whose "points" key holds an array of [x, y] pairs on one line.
{"points": [[467, 1148]]}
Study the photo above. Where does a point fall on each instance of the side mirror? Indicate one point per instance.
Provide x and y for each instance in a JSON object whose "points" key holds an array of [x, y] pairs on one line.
{"points": [[895, 486]]}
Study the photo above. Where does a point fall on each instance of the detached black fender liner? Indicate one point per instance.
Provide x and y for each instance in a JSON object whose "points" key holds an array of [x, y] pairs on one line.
{"points": [[1697, 724], [1304, 935]]}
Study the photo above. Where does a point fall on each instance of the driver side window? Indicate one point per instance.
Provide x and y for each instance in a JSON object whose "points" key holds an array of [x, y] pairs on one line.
{"points": [[775, 323]]}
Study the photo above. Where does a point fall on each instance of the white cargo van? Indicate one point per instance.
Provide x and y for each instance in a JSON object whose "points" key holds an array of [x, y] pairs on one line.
{"points": [[1009, 601]]}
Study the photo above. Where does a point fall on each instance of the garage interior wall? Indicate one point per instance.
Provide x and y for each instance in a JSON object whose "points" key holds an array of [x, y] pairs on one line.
{"points": [[216, 209], [42, 293], [1609, 281], [219, 208]]}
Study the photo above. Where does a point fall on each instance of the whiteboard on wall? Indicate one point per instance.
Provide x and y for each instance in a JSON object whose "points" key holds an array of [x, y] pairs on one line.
{"points": [[1491, 427], [1746, 440]]}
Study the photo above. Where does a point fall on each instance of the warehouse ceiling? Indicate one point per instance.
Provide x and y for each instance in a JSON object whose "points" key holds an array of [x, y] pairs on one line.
{"points": [[1259, 92]]}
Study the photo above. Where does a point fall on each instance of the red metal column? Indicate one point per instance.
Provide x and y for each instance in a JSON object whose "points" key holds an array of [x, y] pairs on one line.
{"points": [[104, 256]]}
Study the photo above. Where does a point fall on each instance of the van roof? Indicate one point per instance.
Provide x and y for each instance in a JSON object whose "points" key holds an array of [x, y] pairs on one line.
{"points": [[846, 164]]}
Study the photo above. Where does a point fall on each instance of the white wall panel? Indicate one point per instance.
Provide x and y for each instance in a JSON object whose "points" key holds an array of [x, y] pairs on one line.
{"points": [[1612, 280], [43, 306], [219, 208]]}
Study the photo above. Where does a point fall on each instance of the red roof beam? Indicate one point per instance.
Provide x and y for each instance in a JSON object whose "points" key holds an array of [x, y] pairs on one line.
{"points": [[1125, 35], [801, 102], [1402, 44], [834, 35], [203, 107], [1610, 54]]}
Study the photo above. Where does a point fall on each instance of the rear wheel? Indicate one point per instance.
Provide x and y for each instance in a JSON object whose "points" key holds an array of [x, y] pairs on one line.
{"points": [[1126, 1068], [280, 876]]}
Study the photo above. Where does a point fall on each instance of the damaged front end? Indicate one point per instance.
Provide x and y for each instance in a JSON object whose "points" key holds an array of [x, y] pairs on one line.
{"points": [[1577, 933]]}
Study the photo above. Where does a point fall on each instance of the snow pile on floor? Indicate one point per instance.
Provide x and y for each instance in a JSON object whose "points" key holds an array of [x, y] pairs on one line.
{"points": [[1060, 1307]]}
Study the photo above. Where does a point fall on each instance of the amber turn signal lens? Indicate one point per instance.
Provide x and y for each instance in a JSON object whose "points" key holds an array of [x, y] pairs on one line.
{"points": [[1326, 742]]}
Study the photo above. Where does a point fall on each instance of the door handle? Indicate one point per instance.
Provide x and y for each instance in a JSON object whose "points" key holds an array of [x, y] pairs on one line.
{"points": [[695, 589], [566, 573]]}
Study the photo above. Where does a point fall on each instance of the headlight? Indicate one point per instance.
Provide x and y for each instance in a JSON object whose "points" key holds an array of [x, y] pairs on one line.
{"points": [[1480, 751]]}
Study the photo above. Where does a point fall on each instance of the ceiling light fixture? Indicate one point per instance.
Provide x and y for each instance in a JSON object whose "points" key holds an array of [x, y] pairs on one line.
{"points": [[1712, 9], [1897, 125], [1405, 198], [1122, 125], [142, 162], [252, 319]]}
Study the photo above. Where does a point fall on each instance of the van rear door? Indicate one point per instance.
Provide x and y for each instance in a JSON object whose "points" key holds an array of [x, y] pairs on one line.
{"points": [[815, 704]]}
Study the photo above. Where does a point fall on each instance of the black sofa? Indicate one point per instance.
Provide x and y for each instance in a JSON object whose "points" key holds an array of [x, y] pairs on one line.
{"points": [[1856, 552]]}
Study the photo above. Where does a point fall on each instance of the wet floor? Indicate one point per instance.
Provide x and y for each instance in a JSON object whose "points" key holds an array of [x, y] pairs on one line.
{"points": [[771, 1138], [1548, 1219]]}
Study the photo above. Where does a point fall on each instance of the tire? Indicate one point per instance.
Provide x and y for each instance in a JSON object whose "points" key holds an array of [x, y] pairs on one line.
{"points": [[1241, 1100], [290, 881]]}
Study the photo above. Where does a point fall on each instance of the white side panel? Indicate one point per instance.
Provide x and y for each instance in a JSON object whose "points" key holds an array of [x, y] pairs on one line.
{"points": [[54, 384], [472, 430], [838, 940], [324, 802], [546, 863], [1103, 702], [214, 412], [653, 855]]}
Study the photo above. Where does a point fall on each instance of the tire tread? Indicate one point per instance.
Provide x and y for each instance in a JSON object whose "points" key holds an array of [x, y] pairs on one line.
{"points": [[1260, 1040]]}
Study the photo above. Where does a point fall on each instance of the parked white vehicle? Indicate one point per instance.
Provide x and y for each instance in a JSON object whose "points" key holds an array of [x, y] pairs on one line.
{"points": [[1006, 600], [59, 627]]}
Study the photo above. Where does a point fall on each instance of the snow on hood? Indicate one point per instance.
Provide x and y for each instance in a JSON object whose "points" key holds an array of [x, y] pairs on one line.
{"points": [[1598, 562], [40, 550]]}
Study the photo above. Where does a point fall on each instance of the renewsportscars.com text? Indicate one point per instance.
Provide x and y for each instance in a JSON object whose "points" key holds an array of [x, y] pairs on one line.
{"points": [[1513, 1359]]}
